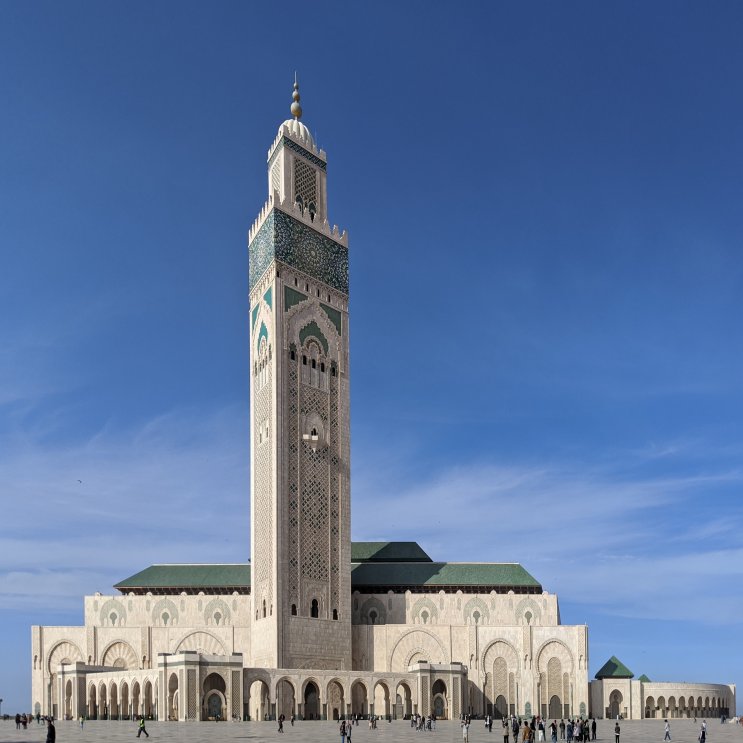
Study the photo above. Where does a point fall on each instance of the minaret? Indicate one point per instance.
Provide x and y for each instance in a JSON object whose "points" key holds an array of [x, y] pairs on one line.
{"points": [[299, 406]]}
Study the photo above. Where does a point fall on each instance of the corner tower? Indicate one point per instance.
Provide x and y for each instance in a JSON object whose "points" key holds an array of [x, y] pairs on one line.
{"points": [[299, 406]]}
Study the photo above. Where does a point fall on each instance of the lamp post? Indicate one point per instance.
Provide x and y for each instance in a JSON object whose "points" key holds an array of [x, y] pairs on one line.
{"points": [[1, 707]]}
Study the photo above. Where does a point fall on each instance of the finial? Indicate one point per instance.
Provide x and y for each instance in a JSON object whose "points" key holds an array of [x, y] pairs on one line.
{"points": [[296, 109]]}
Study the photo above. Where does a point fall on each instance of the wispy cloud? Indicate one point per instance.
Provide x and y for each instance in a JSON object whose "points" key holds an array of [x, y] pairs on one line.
{"points": [[82, 516], [628, 544]]}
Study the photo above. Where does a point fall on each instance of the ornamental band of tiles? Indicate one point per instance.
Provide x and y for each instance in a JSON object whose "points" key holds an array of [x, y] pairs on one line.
{"points": [[316, 625]]}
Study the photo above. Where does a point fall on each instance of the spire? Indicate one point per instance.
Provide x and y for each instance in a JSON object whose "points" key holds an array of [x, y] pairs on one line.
{"points": [[296, 109]]}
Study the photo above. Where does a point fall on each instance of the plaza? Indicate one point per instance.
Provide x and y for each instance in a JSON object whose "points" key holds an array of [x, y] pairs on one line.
{"points": [[633, 731]]}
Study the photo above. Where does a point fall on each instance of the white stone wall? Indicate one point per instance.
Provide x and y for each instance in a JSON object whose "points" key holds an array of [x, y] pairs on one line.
{"points": [[493, 609], [636, 700], [527, 665]]}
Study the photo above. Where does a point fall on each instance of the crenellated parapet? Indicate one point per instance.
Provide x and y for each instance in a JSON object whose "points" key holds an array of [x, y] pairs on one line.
{"points": [[299, 213]]}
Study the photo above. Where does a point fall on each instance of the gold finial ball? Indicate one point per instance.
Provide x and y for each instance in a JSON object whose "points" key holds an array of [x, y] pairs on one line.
{"points": [[296, 109]]}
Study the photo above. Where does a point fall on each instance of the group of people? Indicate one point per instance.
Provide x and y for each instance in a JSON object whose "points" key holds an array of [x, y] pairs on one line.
{"points": [[534, 730], [422, 722], [24, 720]]}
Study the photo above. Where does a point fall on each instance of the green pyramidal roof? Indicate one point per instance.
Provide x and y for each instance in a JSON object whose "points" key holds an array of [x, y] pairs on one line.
{"points": [[614, 669], [388, 552], [644, 679]]}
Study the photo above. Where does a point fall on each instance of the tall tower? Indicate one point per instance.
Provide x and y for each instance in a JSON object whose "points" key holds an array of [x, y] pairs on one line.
{"points": [[299, 408]]}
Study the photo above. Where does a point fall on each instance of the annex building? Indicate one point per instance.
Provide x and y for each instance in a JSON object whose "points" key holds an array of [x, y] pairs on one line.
{"points": [[315, 624]]}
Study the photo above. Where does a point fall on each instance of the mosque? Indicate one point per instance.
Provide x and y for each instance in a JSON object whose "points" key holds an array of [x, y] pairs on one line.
{"points": [[317, 625]]}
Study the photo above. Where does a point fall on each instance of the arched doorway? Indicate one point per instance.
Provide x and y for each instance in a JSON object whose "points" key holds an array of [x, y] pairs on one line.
{"points": [[258, 701], [147, 711], [136, 695], [92, 704], [501, 707], [438, 697], [555, 707], [359, 699], [285, 698], [615, 704], [214, 701], [404, 702], [336, 701], [381, 700], [113, 701], [102, 702], [124, 700], [311, 707], [173, 697], [650, 707]]}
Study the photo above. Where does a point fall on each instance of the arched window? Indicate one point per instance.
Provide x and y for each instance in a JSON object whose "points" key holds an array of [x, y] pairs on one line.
{"points": [[264, 608], [372, 617], [315, 609], [335, 613], [294, 610], [304, 360]]}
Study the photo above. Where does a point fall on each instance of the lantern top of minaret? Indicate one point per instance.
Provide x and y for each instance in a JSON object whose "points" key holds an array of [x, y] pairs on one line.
{"points": [[295, 126]]}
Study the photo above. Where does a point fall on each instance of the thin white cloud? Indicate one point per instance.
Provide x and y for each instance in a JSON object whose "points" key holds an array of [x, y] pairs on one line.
{"points": [[174, 490], [636, 546]]}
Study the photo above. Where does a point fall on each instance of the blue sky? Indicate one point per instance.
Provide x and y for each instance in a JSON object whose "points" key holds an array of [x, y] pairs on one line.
{"points": [[543, 203]]}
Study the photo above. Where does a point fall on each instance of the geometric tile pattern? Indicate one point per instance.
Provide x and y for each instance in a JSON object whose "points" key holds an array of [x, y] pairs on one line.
{"points": [[286, 239]]}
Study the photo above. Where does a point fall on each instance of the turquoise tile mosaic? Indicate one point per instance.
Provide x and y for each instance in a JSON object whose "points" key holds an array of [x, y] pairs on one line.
{"points": [[288, 240]]}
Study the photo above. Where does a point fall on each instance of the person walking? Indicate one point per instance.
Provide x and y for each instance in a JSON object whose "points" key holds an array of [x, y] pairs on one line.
{"points": [[667, 731], [343, 731], [51, 733], [616, 732], [281, 724], [142, 728], [593, 729], [349, 727], [465, 731]]}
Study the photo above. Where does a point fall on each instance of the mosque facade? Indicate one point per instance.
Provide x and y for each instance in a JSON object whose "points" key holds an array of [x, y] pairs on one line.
{"points": [[317, 625]]}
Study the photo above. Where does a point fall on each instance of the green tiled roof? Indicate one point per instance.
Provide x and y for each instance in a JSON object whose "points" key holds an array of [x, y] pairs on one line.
{"points": [[194, 577], [434, 574], [388, 552], [644, 679], [614, 669], [375, 566]]}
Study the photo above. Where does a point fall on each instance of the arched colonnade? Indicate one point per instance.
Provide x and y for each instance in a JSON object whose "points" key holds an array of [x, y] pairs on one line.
{"points": [[329, 698]]}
